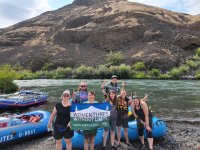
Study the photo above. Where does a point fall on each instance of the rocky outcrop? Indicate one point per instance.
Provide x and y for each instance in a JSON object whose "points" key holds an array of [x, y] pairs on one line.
{"points": [[86, 30], [187, 41]]}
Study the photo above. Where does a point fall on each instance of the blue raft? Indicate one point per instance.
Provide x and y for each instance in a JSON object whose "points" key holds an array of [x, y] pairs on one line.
{"points": [[22, 99], [159, 130], [78, 139], [18, 128]]}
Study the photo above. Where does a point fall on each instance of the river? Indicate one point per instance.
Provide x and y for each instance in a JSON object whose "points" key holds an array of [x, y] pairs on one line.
{"points": [[180, 99], [176, 102]]}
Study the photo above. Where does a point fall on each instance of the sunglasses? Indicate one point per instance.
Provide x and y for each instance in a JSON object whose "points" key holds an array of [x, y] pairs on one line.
{"points": [[83, 85], [66, 95]]}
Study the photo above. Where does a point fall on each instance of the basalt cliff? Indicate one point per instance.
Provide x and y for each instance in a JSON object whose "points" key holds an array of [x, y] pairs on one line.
{"points": [[85, 31]]}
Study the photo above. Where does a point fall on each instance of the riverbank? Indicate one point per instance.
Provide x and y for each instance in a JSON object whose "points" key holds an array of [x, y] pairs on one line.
{"points": [[179, 137]]}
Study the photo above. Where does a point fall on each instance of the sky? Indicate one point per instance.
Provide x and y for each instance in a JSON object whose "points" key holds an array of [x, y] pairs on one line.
{"points": [[14, 11]]}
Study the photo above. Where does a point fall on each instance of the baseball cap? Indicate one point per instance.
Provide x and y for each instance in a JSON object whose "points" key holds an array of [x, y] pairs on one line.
{"points": [[114, 76]]}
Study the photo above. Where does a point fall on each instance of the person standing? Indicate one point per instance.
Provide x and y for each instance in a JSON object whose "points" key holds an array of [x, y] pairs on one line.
{"points": [[61, 126], [144, 119], [89, 135], [112, 85], [82, 95], [112, 98], [122, 116]]}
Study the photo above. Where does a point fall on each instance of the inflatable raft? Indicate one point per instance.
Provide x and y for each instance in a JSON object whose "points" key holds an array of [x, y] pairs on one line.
{"points": [[22, 99], [78, 139], [19, 127], [159, 130]]}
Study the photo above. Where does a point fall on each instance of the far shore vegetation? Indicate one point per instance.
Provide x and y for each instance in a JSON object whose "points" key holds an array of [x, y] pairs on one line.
{"points": [[188, 70]]}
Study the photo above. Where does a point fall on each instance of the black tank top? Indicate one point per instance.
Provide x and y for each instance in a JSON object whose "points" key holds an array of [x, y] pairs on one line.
{"points": [[63, 114], [140, 113]]}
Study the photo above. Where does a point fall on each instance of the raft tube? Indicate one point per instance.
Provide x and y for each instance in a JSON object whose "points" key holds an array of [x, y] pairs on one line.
{"points": [[18, 129], [159, 129], [78, 139]]}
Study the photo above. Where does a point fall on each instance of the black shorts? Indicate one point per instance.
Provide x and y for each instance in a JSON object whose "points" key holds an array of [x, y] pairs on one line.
{"points": [[122, 120], [60, 132]]}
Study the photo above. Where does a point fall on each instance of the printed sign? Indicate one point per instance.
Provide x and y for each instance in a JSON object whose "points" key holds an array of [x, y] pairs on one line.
{"points": [[89, 116]]}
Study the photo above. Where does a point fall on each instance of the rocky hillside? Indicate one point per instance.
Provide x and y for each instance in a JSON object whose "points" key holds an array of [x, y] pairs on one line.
{"points": [[86, 30]]}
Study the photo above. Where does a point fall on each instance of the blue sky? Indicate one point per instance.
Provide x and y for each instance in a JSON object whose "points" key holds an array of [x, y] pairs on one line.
{"points": [[14, 11], [55, 4]]}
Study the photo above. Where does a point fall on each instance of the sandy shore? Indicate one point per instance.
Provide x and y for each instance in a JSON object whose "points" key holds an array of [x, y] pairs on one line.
{"points": [[179, 137]]}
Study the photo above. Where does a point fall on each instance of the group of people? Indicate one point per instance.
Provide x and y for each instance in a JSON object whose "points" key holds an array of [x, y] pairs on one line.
{"points": [[119, 101]]}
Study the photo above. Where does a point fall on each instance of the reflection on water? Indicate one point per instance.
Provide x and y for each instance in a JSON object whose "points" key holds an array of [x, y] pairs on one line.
{"points": [[169, 99]]}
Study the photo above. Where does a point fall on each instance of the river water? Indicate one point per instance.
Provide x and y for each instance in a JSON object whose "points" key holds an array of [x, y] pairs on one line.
{"points": [[173, 101], [170, 99]]}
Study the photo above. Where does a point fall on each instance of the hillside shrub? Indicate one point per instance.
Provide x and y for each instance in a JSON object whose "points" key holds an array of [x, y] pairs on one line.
{"points": [[139, 66], [196, 57], [140, 75], [176, 73], [115, 58], [103, 72], [164, 76], [198, 51], [48, 66], [61, 73], [155, 73], [49, 74], [84, 72], [25, 75], [18, 67], [184, 68], [197, 75], [39, 75], [191, 64], [124, 71]]}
